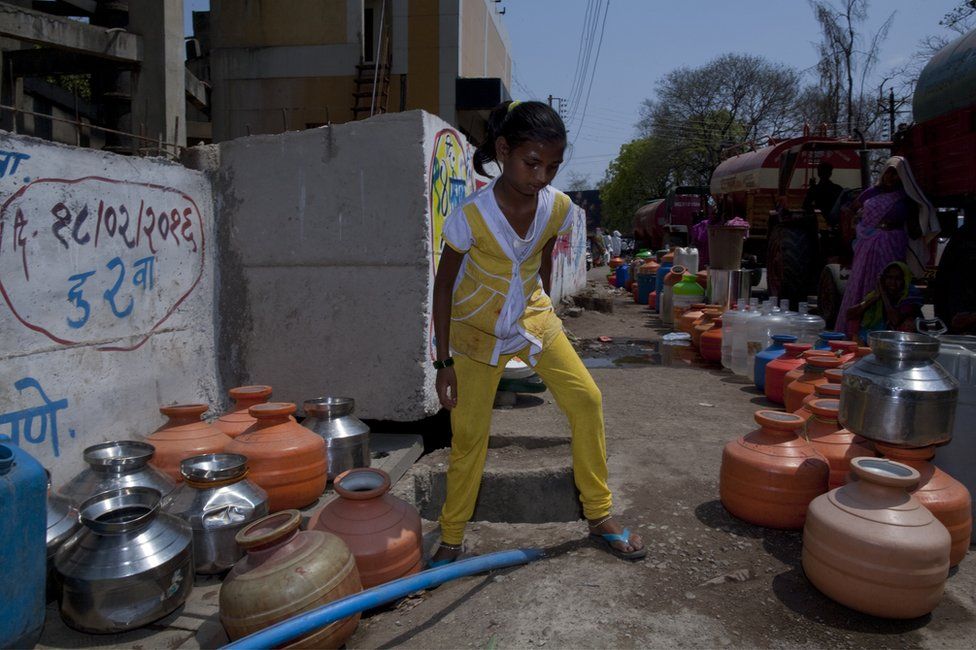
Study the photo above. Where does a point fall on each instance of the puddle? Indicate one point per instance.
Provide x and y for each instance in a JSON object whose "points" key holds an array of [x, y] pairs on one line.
{"points": [[638, 353]]}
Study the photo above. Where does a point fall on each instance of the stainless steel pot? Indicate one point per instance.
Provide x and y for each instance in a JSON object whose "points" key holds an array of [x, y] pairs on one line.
{"points": [[129, 566], [899, 394], [726, 287], [216, 500], [114, 465], [346, 436], [62, 523]]}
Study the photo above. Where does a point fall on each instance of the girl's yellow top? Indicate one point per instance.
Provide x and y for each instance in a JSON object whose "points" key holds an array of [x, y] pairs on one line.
{"points": [[499, 306]]}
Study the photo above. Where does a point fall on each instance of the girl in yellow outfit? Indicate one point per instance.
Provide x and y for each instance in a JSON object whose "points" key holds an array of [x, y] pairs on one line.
{"points": [[491, 303]]}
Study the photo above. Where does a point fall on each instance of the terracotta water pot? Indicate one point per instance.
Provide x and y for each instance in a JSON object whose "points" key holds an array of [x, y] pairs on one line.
{"points": [[861, 352], [382, 531], [702, 279], [686, 321], [185, 434], [236, 420], [287, 460], [710, 346], [846, 351], [837, 444], [811, 374], [944, 496], [820, 391], [704, 324], [873, 547], [286, 572], [771, 475], [777, 369]]}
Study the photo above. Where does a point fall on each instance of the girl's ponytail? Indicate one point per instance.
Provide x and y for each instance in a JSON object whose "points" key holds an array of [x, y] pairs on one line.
{"points": [[518, 122]]}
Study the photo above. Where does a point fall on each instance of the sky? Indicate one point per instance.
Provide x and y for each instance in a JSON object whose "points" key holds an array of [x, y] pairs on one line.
{"points": [[645, 39]]}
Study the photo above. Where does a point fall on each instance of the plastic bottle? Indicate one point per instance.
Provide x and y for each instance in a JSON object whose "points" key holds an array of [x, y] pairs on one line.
{"points": [[740, 339], [674, 275], [688, 258], [729, 321], [806, 327], [760, 332]]}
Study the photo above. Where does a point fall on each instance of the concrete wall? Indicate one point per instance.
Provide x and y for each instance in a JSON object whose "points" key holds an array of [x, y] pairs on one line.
{"points": [[106, 279], [569, 259]]}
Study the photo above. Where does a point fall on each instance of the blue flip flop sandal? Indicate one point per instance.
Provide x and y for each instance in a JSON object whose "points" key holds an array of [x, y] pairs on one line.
{"points": [[608, 539]]}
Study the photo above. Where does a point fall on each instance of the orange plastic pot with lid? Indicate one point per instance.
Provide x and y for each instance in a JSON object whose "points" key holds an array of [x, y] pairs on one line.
{"points": [[710, 346], [837, 444], [777, 369], [811, 374], [944, 496], [185, 434], [287, 460], [770, 476], [704, 324]]}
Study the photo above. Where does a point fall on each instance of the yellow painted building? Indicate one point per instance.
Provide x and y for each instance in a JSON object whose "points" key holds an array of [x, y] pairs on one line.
{"points": [[278, 65]]}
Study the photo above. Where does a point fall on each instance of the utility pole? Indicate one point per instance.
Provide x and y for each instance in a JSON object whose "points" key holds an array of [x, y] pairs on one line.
{"points": [[891, 113], [559, 105]]}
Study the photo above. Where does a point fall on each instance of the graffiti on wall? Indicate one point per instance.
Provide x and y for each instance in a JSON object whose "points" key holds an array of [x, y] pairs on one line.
{"points": [[569, 258], [92, 259], [451, 178], [35, 425]]}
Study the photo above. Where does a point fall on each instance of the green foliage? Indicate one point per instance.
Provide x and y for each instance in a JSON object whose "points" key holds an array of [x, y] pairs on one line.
{"points": [[640, 172]]}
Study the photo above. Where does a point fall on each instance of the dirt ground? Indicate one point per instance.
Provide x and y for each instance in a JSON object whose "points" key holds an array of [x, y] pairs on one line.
{"points": [[709, 580]]}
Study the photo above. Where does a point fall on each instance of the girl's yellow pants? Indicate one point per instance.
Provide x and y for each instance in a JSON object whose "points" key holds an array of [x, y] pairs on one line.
{"points": [[576, 394]]}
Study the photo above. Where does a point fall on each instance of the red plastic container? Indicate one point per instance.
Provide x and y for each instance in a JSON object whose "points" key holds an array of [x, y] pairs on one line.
{"points": [[777, 368]]}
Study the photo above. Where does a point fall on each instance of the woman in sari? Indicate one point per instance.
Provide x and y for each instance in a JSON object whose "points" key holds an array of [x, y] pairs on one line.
{"points": [[893, 305], [891, 211]]}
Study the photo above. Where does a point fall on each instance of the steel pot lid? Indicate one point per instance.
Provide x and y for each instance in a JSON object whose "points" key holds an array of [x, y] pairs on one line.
{"points": [[119, 454], [211, 468], [329, 407], [903, 346], [120, 511]]}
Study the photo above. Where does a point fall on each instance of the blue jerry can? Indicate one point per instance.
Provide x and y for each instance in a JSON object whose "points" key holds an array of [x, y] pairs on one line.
{"points": [[23, 528]]}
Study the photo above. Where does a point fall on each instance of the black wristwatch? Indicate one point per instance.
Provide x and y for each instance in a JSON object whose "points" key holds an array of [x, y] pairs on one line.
{"points": [[446, 363]]}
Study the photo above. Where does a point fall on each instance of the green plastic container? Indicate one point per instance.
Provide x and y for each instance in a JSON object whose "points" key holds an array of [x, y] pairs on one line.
{"points": [[684, 294]]}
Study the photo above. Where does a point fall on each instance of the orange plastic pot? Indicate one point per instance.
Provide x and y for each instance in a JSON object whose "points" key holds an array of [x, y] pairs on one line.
{"points": [[185, 434], [612, 279], [704, 324], [871, 546], [652, 300], [236, 420], [286, 572], [861, 352], [944, 496], [287, 460], [777, 369], [811, 374], [837, 444], [845, 350], [771, 475], [615, 262], [382, 531], [795, 373], [633, 291], [821, 391], [710, 347], [685, 322]]}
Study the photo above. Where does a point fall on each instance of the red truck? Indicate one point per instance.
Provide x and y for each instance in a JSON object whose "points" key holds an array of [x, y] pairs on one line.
{"points": [[662, 222]]}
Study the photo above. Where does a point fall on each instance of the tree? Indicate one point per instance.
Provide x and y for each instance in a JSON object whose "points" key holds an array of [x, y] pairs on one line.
{"points": [[698, 112], [846, 63], [640, 172]]}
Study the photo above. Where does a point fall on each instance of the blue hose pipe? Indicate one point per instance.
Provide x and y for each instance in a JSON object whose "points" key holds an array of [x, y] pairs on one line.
{"points": [[297, 626]]}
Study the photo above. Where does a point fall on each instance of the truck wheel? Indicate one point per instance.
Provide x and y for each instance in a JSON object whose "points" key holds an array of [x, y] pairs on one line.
{"points": [[830, 291], [791, 262]]}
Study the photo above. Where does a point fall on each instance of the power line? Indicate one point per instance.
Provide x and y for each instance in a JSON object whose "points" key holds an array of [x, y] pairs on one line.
{"points": [[596, 60], [585, 70], [579, 49]]}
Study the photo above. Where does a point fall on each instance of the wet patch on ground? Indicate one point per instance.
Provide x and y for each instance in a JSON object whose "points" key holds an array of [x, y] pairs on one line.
{"points": [[639, 353]]}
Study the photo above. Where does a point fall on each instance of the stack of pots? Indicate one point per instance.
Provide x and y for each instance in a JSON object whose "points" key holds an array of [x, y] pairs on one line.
{"points": [[710, 347], [285, 572], [185, 434], [382, 531], [771, 475], [870, 544], [835, 443], [801, 382], [287, 460], [128, 566], [216, 500]]}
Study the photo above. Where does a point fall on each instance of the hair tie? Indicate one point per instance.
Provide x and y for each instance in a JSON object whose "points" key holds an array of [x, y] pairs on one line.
{"points": [[513, 105]]}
